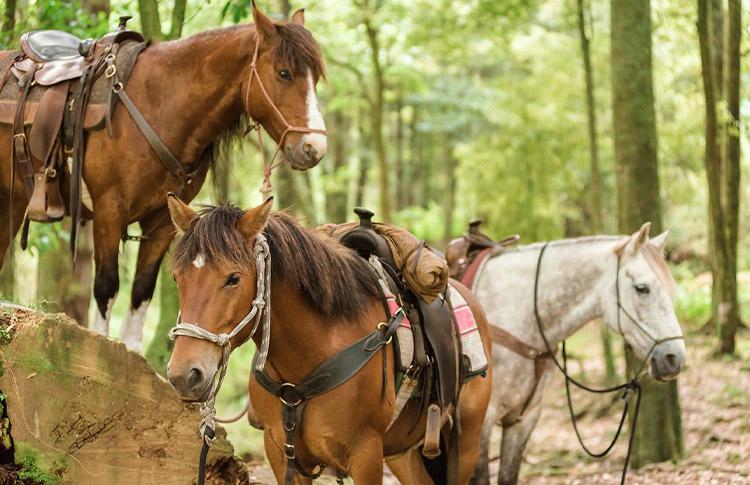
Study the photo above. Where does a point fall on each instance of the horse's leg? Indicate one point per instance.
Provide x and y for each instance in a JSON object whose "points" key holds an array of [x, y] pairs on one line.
{"points": [[481, 474], [159, 233], [109, 222], [410, 469], [366, 461], [515, 438]]}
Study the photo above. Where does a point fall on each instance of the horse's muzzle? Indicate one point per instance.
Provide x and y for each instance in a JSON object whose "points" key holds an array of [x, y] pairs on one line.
{"points": [[668, 360], [192, 385], [308, 152]]}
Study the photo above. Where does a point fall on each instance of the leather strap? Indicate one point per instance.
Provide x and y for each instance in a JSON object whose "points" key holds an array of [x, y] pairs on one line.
{"points": [[468, 276], [157, 145], [516, 345], [327, 376]]}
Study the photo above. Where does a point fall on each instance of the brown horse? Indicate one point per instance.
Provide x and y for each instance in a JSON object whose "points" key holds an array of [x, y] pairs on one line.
{"points": [[194, 93], [323, 298]]}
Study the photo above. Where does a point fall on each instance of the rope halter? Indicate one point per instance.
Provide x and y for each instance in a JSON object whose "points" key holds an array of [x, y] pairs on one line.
{"points": [[260, 312], [268, 166]]}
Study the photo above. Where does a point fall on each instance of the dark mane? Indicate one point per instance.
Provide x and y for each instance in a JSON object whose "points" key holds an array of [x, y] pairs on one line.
{"points": [[299, 50], [331, 278]]}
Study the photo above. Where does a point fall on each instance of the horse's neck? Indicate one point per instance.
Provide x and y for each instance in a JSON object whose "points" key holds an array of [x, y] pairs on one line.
{"points": [[194, 88], [574, 278]]}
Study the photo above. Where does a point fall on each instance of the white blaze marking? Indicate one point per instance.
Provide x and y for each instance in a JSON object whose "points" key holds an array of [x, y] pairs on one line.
{"points": [[314, 118], [199, 261], [132, 329], [101, 322]]}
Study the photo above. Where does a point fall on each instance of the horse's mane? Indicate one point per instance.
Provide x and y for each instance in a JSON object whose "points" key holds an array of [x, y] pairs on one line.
{"points": [[331, 278]]}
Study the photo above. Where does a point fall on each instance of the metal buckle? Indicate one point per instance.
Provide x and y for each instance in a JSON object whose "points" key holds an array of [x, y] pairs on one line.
{"points": [[50, 172], [291, 386], [117, 87], [384, 325], [289, 451], [110, 71], [19, 136]]}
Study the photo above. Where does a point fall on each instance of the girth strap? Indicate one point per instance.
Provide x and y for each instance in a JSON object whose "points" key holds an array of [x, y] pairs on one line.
{"points": [[329, 375]]}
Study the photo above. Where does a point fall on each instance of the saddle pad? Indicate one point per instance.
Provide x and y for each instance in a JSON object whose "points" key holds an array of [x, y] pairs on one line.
{"points": [[471, 341], [100, 92]]}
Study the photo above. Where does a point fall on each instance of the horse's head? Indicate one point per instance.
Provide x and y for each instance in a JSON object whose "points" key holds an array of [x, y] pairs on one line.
{"points": [[642, 304], [215, 269], [283, 97]]}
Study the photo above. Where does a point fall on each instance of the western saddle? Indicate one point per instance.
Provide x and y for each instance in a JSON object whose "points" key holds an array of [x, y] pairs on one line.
{"points": [[465, 253], [437, 347], [64, 86]]}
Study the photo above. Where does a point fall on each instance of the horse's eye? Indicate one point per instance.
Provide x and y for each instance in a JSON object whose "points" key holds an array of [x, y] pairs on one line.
{"points": [[233, 280], [285, 74], [642, 288]]}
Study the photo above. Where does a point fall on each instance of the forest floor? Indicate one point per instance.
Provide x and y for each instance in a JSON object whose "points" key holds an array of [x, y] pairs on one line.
{"points": [[715, 398]]}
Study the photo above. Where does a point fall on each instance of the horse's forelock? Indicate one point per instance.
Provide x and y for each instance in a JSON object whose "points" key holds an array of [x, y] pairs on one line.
{"points": [[299, 49]]}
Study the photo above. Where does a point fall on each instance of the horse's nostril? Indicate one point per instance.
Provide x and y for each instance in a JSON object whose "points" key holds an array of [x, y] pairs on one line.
{"points": [[310, 150], [195, 378], [671, 361]]}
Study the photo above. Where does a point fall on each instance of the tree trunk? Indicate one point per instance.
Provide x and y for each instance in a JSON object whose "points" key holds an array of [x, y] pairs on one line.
{"points": [[728, 306], [450, 190], [61, 286], [97, 6], [178, 19], [416, 179], [376, 121], [150, 21], [595, 186], [159, 350], [595, 209], [399, 168], [9, 16], [658, 436], [336, 193]]}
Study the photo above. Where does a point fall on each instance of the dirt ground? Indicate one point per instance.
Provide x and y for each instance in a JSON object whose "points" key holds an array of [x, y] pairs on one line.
{"points": [[715, 397]]}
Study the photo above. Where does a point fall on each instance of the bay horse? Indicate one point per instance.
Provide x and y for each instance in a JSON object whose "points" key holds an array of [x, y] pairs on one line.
{"points": [[323, 298], [195, 93], [621, 279]]}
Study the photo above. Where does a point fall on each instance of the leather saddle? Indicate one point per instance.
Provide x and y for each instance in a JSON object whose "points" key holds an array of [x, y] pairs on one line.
{"points": [[56, 72], [463, 251], [437, 346]]}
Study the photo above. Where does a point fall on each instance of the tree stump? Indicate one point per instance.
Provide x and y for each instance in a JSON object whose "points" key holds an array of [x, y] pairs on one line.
{"points": [[83, 409]]}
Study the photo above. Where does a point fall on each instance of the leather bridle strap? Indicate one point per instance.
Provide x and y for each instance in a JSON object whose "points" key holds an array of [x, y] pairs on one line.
{"points": [[329, 375], [268, 166]]}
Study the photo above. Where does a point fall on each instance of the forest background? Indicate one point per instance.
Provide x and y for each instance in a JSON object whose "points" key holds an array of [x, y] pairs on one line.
{"points": [[546, 118]]}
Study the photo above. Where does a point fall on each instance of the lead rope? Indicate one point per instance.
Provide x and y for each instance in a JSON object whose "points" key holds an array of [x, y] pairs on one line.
{"points": [[261, 314], [632, 385]]}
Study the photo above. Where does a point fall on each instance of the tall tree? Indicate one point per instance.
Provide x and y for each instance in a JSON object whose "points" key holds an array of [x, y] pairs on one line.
{"points": [[659, 430], [9, 16], [720, 63], [595, 209], [151, 20]]}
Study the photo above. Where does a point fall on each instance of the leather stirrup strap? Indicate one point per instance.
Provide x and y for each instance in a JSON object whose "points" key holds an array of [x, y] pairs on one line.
{"points": [[22, 158]]}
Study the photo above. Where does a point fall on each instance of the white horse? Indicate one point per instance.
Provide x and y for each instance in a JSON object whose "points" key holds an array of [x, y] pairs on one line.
{"points": [[579, 280]]}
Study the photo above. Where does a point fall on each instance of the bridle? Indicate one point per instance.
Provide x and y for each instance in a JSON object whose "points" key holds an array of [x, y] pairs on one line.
{"points": [[269, 165], [627, 387], [260, 312]]}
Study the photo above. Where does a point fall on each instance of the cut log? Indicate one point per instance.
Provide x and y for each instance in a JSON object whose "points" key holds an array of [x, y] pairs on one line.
{"points": [[94, 412]]}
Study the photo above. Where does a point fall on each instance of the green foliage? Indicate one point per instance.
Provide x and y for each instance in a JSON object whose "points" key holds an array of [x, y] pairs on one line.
{"points": [[37, 468]]}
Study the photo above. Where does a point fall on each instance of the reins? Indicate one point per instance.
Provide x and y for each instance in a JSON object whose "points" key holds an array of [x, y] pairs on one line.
{"points": [[269, 165], [632, 385]]}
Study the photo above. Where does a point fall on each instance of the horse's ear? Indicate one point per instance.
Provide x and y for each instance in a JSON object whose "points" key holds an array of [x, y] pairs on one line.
{"points": [[182, 216], [254, 220], [264, 25], [298, 17], [638, 239], [660, 241]]}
